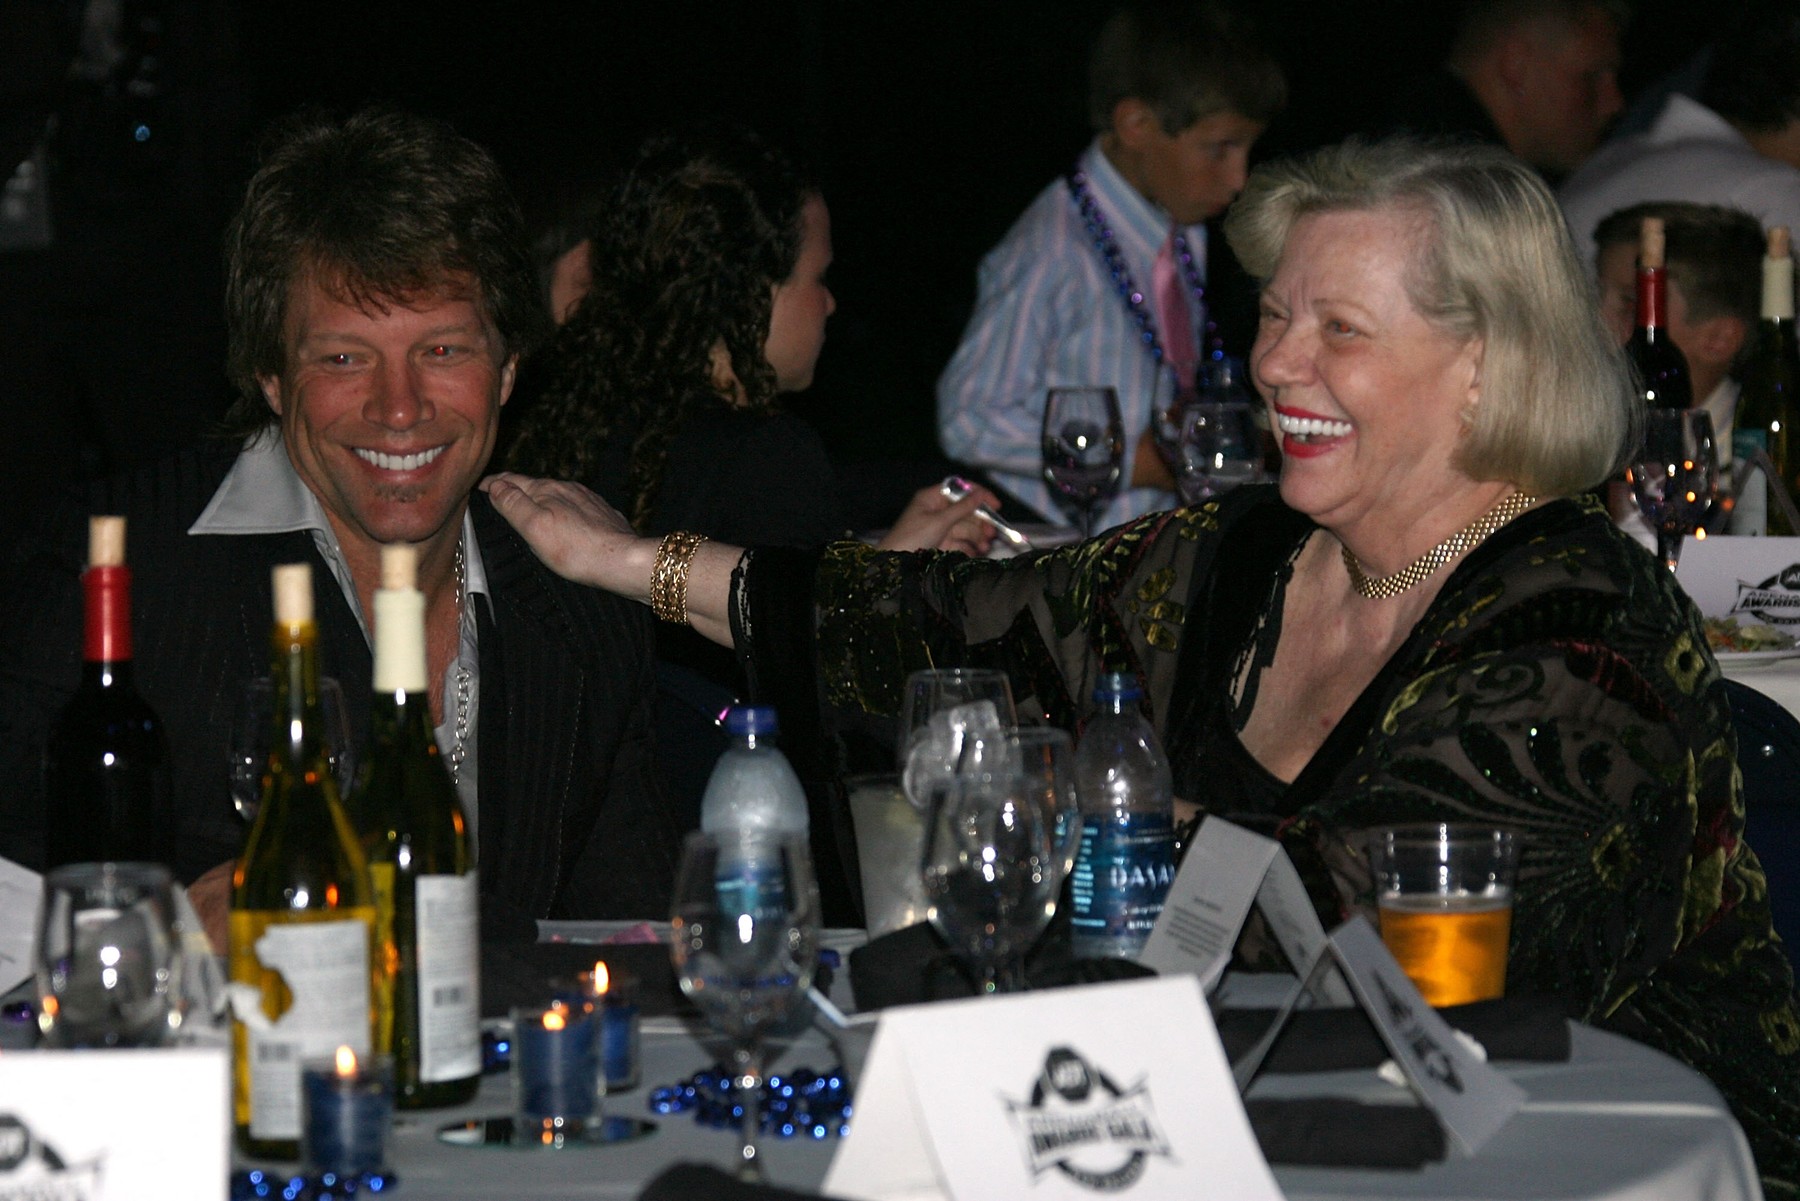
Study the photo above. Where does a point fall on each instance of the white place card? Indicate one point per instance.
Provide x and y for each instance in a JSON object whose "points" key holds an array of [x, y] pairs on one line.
{"points": [[115, 1125], [1227, 870], [1471, 1099], [1056, 1096], [1752, 579], [21, 901]]}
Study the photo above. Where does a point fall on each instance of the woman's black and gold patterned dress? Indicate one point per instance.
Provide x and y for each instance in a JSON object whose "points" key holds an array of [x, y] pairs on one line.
{"points": [[1559, 685]]}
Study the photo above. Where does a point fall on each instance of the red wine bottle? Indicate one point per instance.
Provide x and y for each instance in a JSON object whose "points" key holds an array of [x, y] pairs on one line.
{"points": [[1661, 368], [106, 762]]}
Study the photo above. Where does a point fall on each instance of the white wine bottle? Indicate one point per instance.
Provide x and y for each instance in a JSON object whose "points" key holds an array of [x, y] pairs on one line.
{"points": [[302, 906], [1770, 403], [416, 836]]}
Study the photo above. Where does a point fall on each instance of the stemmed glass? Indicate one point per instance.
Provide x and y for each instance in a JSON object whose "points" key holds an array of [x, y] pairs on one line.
{"points": [[941, 707], [251, 724], [1084, 449], [991, 872], [1220, 448], [1045, 758], [745, 944], [1675, 476], [108, 958]]}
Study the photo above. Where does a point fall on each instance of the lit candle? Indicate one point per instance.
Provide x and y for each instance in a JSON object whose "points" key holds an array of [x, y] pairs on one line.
{"points": [[555, 1070], [617, 996], [349, 1106], [614, 997]]}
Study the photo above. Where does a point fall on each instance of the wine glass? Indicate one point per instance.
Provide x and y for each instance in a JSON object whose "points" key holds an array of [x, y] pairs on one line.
{"points": [[942, 704], [252, 721], [1221, 447], [108, 961], [745, 943], [1675, 476], [991, 873], [1084, 449], [1045, 757]]}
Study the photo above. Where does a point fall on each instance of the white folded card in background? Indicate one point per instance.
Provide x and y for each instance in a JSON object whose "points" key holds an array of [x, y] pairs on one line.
{"points": [[1471, 1099], [115, 1125], [21, 900], [1120, 1089], [1227, 870], [1753, 579]]}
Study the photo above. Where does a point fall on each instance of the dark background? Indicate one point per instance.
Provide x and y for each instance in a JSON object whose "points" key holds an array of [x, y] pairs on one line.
{"points": [[931, 124]]}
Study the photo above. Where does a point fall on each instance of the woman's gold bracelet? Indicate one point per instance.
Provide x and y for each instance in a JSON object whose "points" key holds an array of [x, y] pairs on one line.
{"points": [[669, 579]]}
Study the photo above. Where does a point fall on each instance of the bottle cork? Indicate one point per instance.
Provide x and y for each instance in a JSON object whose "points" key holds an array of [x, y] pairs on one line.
{"points": [[1778, 277], [399, 623], [399, 565], [106, 542], [1650, 242], [293, 594]]}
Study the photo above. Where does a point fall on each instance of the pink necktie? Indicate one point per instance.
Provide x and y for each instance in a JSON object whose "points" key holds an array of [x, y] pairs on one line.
{"points": [[1175, 317]]}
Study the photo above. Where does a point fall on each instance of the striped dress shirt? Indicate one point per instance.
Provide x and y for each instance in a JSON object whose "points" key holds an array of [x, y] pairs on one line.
{"points": [[1048, 314]]}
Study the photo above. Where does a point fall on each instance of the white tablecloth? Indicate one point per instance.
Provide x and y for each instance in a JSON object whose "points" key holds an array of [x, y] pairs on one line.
{"points": [[1619, 1121]]}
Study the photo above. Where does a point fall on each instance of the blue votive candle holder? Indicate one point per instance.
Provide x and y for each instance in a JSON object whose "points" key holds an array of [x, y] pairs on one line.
{"points": [[614, 997], [348, 1108], [556, 1069]]}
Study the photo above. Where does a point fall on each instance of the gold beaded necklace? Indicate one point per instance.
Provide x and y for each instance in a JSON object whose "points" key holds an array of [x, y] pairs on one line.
{"points": [[1466, 539]]}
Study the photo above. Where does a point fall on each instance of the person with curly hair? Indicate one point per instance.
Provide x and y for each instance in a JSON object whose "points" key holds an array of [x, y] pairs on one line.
{"points": [[660, 392], [708, 301]]}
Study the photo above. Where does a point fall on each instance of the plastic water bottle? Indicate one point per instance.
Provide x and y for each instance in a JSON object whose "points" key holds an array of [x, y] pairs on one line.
{"points": [[1126, 860], [753, 788]]}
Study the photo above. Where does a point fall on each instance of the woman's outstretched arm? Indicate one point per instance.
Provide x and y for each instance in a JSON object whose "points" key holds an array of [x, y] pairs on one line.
{"points": [[582, 538]]}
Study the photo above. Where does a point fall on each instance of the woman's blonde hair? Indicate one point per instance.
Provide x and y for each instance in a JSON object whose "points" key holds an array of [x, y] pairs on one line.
{"points": [[1557, 411]]}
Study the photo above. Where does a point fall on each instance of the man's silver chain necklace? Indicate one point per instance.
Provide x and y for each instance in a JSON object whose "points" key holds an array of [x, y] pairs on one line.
{"points": [[465, 680]]}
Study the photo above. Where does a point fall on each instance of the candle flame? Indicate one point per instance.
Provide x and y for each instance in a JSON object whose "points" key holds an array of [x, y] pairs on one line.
{"points": [[602, 978], [346, 1062], [554, 1020]]}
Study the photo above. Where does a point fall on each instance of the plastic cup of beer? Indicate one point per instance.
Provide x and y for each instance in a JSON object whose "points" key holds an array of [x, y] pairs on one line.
{"points": [[1444, 894]]}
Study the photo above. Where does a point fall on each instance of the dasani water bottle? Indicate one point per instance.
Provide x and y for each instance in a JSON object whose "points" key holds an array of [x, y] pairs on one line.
{"points": [[1126, 860]]}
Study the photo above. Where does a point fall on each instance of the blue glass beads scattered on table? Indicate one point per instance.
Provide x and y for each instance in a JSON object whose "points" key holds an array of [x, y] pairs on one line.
{"points": [[256, 1184], [798, 1104]]}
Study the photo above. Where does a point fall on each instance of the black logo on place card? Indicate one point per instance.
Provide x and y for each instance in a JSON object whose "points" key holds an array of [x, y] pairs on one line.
{"points": [[1776, 600], [1082, 1124], [1425, 1049], [31, 1170]]}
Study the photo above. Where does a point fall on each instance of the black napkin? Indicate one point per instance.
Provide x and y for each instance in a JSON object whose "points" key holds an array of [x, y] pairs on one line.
{"points": [[1307, 1132], [519, 973], [703, 1182], [1532, 1028], [1339, 1133], [914, 965]]}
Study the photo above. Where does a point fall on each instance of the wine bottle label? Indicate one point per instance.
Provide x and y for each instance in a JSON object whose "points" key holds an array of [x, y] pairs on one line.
{"points": [[449, 977], [1750, 516], [321, 970]]}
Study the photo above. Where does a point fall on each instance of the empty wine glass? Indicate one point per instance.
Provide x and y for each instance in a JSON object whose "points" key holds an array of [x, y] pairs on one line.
{"points": [[745, 943], [108, 960], [1045, 757], [990, 873], [1675, 476], [1221, 446], [252, 723], [942, 704], [1084, 449]]}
